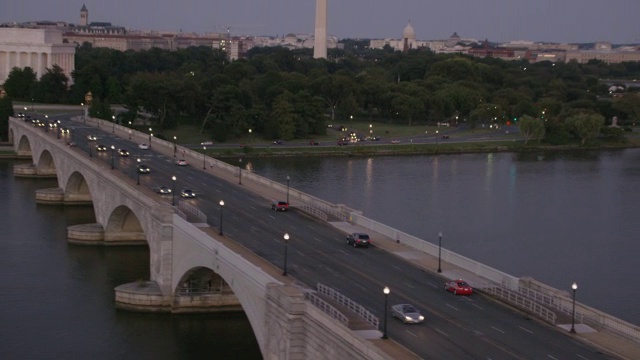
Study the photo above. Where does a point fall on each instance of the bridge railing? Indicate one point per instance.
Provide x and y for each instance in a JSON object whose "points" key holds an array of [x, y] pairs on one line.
{"points": [[326, 308], [190, 209], [531, 306], [350, 304]]}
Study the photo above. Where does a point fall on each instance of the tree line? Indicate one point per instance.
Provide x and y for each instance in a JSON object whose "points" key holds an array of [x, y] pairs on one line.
{"points": [[286, 94]]}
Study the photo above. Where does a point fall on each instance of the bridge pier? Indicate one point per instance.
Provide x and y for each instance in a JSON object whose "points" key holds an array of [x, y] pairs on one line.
{"points": [[94, 234], [31, 171]]}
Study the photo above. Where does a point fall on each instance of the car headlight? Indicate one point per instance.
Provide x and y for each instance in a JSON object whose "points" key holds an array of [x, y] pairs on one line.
{"points": [[421, 317], [407, 318]]}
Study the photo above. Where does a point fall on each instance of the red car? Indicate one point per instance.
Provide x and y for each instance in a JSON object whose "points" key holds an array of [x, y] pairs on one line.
{"points": [[458, 287]]}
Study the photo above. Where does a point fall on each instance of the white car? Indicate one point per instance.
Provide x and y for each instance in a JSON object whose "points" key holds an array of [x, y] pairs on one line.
{"points": [[206, 143], [143, 146], [407, 313], [92, 138], [182, 162]]}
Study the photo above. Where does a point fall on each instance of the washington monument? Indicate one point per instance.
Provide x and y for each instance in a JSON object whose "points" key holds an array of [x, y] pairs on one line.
{"points": [[320, 41]]}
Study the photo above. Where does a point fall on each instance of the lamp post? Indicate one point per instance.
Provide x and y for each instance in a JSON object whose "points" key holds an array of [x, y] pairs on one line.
{"points": [[386, 292], [221, 206], [84, 116], [436, 137], [138, 172], [240, 171], [90, 152], [439, 251], [173, 191], [288, 182], [574, 286], [46, 123], [286, 245], [58, 129], [113, 128], [175, 145], [250, 137], [150, 135], [204, 158], [371, 131], [129, 134], [113, 152]]}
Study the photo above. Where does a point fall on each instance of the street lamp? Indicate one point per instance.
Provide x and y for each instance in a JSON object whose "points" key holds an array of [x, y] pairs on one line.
{"points": [[221, 206], [204, 158], [58, 129], [113, 129], [150, 135], [250, 137], [173, 191], [138, 172], [175, 145], [386, 292], [439, 250], [240, 171], [84, 116], [46, 123], [90, 152], [113, 152], [286, 245], [288, 182], [371, 130], [574, 286], [436, 137], [129, 134]]}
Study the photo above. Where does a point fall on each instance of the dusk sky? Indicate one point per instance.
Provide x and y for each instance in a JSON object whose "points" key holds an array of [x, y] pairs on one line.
{"points": [[496, 20]]}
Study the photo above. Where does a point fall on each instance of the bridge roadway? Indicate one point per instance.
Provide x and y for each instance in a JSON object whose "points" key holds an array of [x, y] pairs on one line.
{"points": [[455, 327]]}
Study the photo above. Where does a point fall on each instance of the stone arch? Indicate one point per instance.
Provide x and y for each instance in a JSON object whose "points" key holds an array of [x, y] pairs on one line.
{"points": [[124, 228], [24, 146], [202, 280], [46, 163], [77, 190]]}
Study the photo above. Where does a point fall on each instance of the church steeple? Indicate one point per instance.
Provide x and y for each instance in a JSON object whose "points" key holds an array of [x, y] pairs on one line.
{"points": [[84, 16]]}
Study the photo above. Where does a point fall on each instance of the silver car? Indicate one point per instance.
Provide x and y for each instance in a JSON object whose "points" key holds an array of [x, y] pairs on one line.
{"points": [[407, 313]]}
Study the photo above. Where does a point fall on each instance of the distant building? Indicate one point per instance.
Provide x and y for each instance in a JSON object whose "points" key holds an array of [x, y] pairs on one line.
{"points": [[39, 49]]}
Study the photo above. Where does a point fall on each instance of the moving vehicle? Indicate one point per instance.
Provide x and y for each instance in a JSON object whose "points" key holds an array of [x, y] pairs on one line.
{"points": [[358, 239], [182, 162], [207, 143], [101, 147], [162, 190], [143, 146], [143, 169], [123, 152], [314, 143], [407, 313], [278, 142], [187, 193], [279, 205], [92, 138], [458, 287], [395, 141], [444, 137]]}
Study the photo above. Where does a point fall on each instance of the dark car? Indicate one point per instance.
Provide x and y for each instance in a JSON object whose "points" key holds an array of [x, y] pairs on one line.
{"points": [[187, 193], [143, 169], [279, 205], [123, 152], [343, 143], [358, 239], [313, 143], [444, 137], [278, 142]]}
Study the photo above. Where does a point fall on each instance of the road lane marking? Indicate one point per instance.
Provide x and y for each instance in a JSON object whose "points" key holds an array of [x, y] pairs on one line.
{"points": [[397, 267], [582, 357], [453, 307], [432, 284], [496, 329], [344, 252], [311, 227], [410, 333], [527, 330], [409, 285], [293, 227], [441, 332], [362, 287], [552, 357], [315, 238], [301, 253], [478, 306]]}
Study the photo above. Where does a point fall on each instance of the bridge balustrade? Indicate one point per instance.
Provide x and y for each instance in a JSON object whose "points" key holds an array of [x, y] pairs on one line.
{"points": [[350, 304]]}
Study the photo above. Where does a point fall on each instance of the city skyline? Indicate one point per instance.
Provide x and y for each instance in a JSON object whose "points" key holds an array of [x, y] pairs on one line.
{"points": [[572, 21]]}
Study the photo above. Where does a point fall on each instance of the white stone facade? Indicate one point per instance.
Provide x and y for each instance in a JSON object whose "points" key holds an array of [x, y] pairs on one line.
{"points": [[39, 49]]}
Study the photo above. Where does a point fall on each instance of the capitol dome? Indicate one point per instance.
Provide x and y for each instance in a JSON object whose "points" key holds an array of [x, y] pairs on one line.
{"points": [[408, 32]]}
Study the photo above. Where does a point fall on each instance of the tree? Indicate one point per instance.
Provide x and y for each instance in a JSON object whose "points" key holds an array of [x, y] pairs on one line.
{"points": [[531, 128], [20, 83], [6, 110], [586, 126]]}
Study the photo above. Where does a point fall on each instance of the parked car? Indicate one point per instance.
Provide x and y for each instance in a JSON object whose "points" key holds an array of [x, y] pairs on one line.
{"points": [[187, 193], [182, 162], [92, 138], [143, 146], [444, 137], [358, 239], [407, 313], [279, 205], [206, 143], [162, 190], [123, 152], [143, 169], [458, 287], [101, 147]]}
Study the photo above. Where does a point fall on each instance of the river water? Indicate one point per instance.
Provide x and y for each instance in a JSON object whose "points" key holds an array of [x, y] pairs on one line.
{"points": [[57, 300], [558, 218]]}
